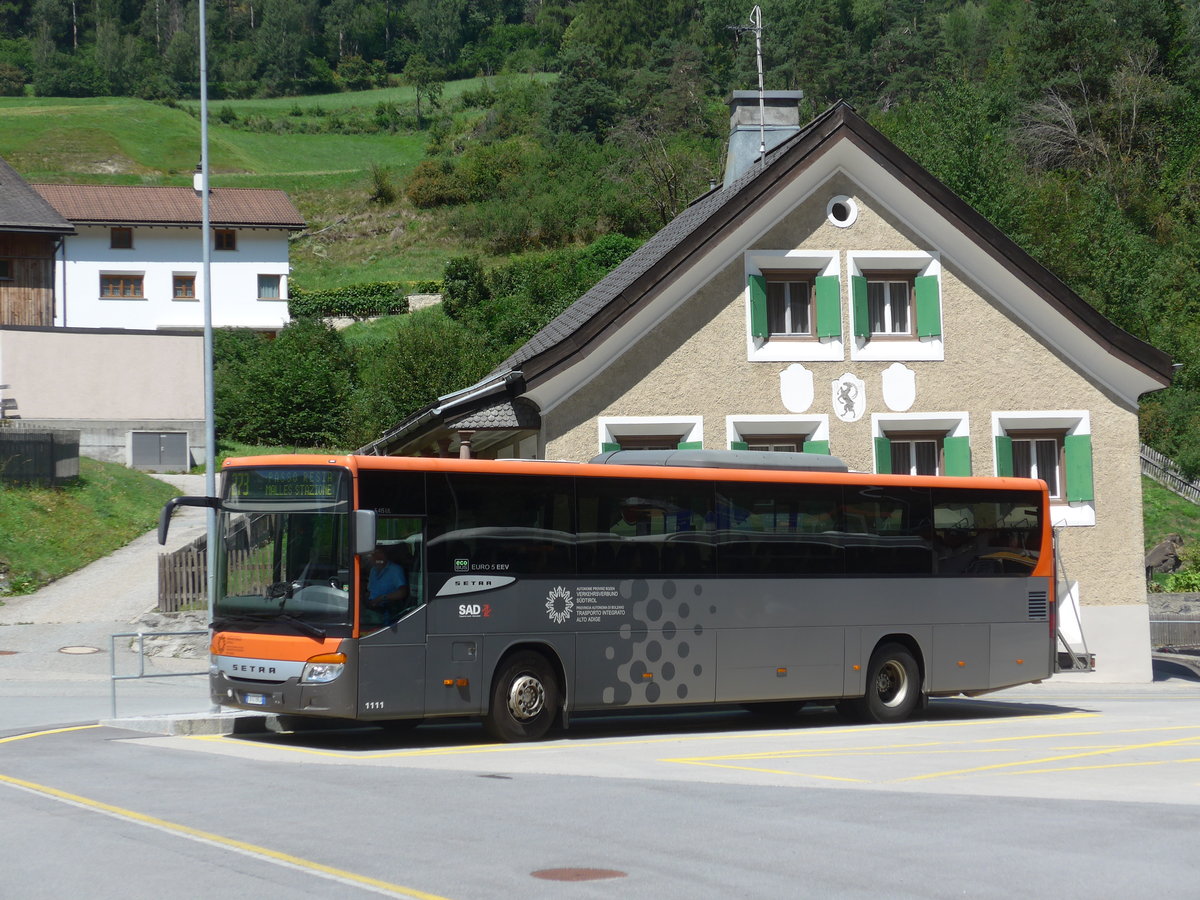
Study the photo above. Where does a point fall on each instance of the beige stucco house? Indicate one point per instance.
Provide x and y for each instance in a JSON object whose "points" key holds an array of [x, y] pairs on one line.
{"points": [[836, 298]]}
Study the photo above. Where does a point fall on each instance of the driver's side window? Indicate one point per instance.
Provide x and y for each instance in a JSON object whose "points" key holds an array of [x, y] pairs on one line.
{"points": [[400, 542]]}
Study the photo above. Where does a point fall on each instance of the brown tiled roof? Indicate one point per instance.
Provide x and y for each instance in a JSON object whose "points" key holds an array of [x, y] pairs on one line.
{"points": [[125, 204], [22, 209]]}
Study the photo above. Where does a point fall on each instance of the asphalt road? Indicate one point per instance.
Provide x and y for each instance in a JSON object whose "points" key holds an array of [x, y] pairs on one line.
{"points": [[1065, 790]]}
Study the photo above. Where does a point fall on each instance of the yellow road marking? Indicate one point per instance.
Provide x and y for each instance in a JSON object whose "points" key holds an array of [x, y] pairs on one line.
{"points": [[928, 749], [472, 750], [1049, 759], [207, 837], [33, 734]]}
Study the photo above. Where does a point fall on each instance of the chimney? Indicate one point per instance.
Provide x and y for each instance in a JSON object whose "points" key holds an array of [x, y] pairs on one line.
{"points": [[198, 180], [780, 120]]}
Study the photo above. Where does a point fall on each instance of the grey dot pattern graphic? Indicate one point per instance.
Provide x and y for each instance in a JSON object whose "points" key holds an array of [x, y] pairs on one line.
{"points": [[648, 653]]}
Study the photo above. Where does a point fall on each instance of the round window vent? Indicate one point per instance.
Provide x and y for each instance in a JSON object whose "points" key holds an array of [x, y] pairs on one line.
{"points": [[842, 211]]}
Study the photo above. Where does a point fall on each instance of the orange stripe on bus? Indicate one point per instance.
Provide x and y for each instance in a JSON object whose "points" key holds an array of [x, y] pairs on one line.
{"points": [[291, 647]]}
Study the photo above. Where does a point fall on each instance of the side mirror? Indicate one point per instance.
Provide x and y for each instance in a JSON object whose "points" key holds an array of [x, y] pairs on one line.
{"points": [[164, 517], [364, 531]]}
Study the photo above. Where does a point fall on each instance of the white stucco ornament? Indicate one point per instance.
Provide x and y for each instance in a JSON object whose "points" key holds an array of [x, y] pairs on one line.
{"points": [[849, 398], [796, 388], [899, 387]]}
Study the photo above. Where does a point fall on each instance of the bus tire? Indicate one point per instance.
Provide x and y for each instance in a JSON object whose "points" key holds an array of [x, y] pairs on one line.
{"points": [[893, 685], [524, 699]]}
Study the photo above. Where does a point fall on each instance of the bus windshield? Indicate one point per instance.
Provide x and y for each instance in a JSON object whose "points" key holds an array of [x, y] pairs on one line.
{"points": [[286, 552]]}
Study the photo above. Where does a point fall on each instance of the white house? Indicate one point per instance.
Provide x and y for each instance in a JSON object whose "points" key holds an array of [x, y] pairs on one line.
{"points": [[135, 260]]}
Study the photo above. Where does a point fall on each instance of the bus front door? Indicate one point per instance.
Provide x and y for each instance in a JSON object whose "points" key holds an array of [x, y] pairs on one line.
{"points": [[391, 650]]}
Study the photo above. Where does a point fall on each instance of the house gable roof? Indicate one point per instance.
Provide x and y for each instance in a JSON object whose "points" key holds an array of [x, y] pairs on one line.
{"points": [[721, 224], [122, 204], [696, 230], [23, 209]]}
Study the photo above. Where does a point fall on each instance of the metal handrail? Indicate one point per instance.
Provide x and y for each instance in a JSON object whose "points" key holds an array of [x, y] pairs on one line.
{"points": [[141, 636]]}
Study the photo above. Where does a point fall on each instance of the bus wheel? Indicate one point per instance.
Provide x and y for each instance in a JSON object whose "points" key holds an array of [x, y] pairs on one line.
{"points": [[524, 699], [893, 685]]}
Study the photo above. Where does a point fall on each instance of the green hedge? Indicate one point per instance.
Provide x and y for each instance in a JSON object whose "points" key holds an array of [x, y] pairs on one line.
{"points": [[356, 301]]}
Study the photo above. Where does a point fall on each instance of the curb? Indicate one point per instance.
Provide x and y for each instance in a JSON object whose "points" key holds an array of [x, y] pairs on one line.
{"points": [[196, 724]]}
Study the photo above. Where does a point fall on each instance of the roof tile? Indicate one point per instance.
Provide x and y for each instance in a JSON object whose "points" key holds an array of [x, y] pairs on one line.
{"points": [[87, 204], [23, 209]]}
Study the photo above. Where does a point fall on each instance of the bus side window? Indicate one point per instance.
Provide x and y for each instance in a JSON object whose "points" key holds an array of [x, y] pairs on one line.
{"points": [[996, 533]]}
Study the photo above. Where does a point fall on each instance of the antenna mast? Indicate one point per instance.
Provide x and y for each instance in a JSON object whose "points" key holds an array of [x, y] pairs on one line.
{"points": [[756, 26]]}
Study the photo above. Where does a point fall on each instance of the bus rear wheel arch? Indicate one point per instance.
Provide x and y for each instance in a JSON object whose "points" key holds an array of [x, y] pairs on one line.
{"points": [[893, 687], [525, 698]]}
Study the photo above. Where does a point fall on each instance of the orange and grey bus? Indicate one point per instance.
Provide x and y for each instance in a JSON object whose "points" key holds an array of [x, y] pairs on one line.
{"points": [[531, 590]]}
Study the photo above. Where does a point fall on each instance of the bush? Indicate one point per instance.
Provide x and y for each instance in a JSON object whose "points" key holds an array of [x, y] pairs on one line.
{"points": [[430, 355], [382, 189], [12, 80], [610, 250], [292, 391], [355, 301], [433, 182], [463, 287]]}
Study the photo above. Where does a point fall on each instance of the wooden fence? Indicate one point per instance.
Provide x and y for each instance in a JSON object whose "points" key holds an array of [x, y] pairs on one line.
{"points": [[38, 457], [1175, 630], [1163, 470], [183, 576]]}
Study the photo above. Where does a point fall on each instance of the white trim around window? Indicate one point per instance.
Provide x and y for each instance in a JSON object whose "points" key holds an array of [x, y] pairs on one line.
{"points": [[1074, 425], [815, 263], [947, 425], [688, 429], [895, 349], [807, 429]]}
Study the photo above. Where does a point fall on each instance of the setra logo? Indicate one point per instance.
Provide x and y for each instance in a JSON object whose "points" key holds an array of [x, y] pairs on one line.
{"points": [[559, 605]]}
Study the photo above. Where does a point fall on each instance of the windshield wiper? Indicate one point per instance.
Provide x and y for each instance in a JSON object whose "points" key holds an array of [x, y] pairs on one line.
{"points": [[306, 627]]}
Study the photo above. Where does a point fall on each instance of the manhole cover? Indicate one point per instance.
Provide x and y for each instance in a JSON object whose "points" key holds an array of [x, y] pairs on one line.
{"points": [[79, 650], [576, 874]]}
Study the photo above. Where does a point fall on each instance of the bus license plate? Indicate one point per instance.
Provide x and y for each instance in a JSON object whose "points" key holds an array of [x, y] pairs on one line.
{"points": [[254, 699]]}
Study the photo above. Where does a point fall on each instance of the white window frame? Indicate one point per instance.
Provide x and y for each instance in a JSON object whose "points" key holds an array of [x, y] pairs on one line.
{"points": [[742, 429], [810, 262], [1069, 422], [281, 286], [895, 348], [945, 424], [612, 428]]}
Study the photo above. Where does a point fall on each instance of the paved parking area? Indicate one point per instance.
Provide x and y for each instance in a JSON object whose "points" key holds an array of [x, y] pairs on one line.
{"points": [[1102, 742]]}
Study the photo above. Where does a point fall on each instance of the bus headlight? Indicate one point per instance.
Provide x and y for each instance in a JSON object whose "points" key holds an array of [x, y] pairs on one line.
{"points": [[323, 669]]}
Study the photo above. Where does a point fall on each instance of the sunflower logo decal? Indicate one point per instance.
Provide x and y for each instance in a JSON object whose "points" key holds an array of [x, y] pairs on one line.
{"points": [[559, 605]]}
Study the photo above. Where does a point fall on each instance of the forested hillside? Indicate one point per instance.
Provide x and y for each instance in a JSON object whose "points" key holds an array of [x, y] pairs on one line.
{"points": [[1074, 125]]}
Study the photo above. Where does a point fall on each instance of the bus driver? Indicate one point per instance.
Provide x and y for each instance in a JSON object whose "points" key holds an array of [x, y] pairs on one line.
{"points": [[387, 586]]}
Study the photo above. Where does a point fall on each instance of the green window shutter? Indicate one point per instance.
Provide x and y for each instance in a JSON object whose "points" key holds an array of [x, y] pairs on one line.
{"points": [[1004, 459], [858, 292], [957, 454], [883, 456], [738, 445], [758, 306], [929, 306], [1078, 451], [690, 445], [609, 447], [829, 306], [821, 447]]}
